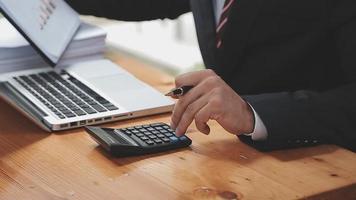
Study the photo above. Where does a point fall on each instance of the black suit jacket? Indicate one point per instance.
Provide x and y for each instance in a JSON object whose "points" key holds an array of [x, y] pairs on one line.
{"points": [[293, 61]]}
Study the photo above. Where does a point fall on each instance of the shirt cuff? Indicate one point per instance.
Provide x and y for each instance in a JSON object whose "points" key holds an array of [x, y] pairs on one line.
{"points": [[260, 131]]}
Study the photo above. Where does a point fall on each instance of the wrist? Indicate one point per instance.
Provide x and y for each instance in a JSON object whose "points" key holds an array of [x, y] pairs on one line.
{"points": [[249, 125]]}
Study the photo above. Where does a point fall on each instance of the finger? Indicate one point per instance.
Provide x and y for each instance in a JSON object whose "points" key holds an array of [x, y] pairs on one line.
{"points": [[205, 87], [187, 99], [202, 117], [189, 114], [193, 78]]}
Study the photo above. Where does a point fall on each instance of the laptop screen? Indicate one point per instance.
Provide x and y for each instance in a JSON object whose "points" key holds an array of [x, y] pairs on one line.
{"points": [[48, 25]]}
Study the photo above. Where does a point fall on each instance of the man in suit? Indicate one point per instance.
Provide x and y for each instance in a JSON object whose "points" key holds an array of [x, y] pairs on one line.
{"points": [[282, 73]]}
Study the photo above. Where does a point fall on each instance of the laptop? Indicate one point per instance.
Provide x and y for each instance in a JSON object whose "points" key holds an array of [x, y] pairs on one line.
{"points": [[60, 97]]}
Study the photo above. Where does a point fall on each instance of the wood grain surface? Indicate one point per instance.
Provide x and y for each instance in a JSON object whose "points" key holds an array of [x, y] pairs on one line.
{"points": [[69, 164]]}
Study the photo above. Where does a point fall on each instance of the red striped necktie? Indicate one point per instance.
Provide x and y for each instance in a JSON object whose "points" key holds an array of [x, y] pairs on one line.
{"points": [[223, 21]]}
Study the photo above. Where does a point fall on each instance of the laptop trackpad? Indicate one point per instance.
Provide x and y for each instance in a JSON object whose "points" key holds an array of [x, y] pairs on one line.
{"points": [[118, 86], [125, 90], [116, 83]]}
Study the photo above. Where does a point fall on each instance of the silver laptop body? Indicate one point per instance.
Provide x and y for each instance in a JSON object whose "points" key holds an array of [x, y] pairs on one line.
{"points": [[76, 95], [73, 95]]}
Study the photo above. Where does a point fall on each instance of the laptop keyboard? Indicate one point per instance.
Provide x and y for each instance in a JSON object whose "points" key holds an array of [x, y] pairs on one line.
{"points": [[65, 98]]}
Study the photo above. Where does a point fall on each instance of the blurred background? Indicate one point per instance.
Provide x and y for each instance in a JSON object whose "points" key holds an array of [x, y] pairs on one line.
{"points": [[170, 45]]}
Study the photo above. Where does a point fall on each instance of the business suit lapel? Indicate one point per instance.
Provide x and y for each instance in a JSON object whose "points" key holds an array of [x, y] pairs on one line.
{"points": [[205, 26], [226, 59], [235, 36]]}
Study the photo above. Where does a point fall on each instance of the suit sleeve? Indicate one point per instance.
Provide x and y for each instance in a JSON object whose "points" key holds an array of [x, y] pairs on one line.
{"points": [[303, 118], [132, 10]]}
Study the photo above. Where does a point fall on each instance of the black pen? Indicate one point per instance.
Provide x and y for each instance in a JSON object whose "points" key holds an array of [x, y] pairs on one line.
{"points": [[177, 92]]}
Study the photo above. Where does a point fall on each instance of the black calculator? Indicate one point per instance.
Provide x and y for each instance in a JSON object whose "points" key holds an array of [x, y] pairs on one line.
{"points": [[138, 140]]}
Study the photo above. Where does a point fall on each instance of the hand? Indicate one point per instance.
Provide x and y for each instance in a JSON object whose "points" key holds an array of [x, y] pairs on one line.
{"points": [[211, 98]]}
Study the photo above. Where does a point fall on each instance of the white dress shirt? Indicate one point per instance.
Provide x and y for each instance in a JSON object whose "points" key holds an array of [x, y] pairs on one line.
{"points": [[260, 130]]}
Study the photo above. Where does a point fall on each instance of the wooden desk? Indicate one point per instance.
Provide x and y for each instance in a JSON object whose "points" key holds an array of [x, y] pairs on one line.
{"points": [[69, 165]]}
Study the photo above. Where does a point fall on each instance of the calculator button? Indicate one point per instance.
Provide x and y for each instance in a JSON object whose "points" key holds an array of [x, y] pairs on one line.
{"points": [[131, 129], [165, 140], [158, 128], [139, 134], [166, 127], [124, 129], [152, 136], [158, 141], [138, 127], [150, 129], [173, 138], [168, 134], [147, 133], [135, 131], [183, 138], [149, 142], [155, 132], [146, 126], [163, 131], [144, 138], [142, 129], [160, 135]]}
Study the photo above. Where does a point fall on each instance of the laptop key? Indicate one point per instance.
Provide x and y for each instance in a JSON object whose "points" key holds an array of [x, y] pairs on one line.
{"points": [[80, 112], [74, 108], [61, 116], [89, 110], [92, 103], [70, 115], [112, 108], [99, 108], [84, 106]]}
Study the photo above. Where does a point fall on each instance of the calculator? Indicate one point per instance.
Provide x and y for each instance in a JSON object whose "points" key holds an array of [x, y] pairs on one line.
{"points": [[138, 140]]}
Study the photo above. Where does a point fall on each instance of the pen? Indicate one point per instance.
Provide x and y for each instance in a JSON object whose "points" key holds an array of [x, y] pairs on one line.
{"points": [[177, 92]]}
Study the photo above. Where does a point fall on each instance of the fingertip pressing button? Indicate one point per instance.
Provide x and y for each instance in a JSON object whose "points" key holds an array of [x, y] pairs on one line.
{"points": [[183, 138], [173, 138]]}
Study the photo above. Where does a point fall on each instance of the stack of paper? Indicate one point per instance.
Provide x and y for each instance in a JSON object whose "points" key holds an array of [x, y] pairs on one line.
{"points": [[17, 54]]}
